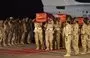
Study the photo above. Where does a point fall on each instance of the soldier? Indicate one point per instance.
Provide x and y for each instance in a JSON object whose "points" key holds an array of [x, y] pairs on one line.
{"points": [[49, 31], [10, 34], [6, 31], [57, 27], [17, 31], [84, 37], [1, 31], [29, 26], [14, 32], [68, 36], [75, 36], [38, 35], [23, 31], [88, 40]]}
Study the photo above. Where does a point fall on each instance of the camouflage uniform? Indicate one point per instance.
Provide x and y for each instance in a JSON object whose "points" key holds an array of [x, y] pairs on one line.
{"points": [[57, 34], [63, 35], [68, 38], [1, 31], [88, 35], [75, 37], [23, 31], [49, 34], [6, 33], [38, 35], [84, 37], [29, 26], [10, 33], [88, 40]]}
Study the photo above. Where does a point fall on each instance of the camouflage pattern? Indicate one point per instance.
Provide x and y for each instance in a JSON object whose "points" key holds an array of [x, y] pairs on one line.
{"points": [[84, 37], [1, 31], [75, 37], [24, 31], [68, 38], [57, 33], [63, 35], [88, 35], [38, 35], [88, 40], [49, 26]]}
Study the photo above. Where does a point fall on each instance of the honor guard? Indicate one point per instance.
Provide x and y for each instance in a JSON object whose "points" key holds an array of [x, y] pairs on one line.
{"points": [[84, 36], [57, 27], [75, 36], [68, 36], [49, 31]]}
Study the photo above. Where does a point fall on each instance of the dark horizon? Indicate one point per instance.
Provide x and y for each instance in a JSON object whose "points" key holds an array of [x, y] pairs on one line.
{"points": [[20, 8], [84, 1]]}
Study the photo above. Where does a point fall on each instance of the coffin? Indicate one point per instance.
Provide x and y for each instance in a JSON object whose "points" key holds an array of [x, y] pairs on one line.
{"points": [[41, 17]]}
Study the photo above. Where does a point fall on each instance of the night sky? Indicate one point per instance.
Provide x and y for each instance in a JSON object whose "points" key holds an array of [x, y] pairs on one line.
{"points": [[85, 1], [20, 8]]}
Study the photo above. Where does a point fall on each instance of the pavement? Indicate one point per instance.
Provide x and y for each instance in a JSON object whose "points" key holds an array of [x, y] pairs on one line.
{"points": [[28, 51]]}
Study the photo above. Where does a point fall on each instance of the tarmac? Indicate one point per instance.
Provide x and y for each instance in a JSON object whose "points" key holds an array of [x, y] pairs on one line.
{"points": [[28, 51]]}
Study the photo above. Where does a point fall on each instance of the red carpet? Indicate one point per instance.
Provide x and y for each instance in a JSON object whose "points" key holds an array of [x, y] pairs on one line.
{"points": [[22, 51]]}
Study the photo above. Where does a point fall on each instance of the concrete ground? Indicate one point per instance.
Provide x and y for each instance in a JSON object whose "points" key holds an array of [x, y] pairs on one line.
{"points": [[28, 51]]}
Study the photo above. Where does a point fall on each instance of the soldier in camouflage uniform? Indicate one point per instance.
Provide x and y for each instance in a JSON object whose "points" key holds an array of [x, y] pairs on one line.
{"points": [[68, 36], [75, 36], [84, 37], [10, 33], [29, 26], [49, 31], [23, 31], [17, 31], [63, 35], [6, 31], [88, 40], [38, 35], [1, 31], [57, 27]]}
